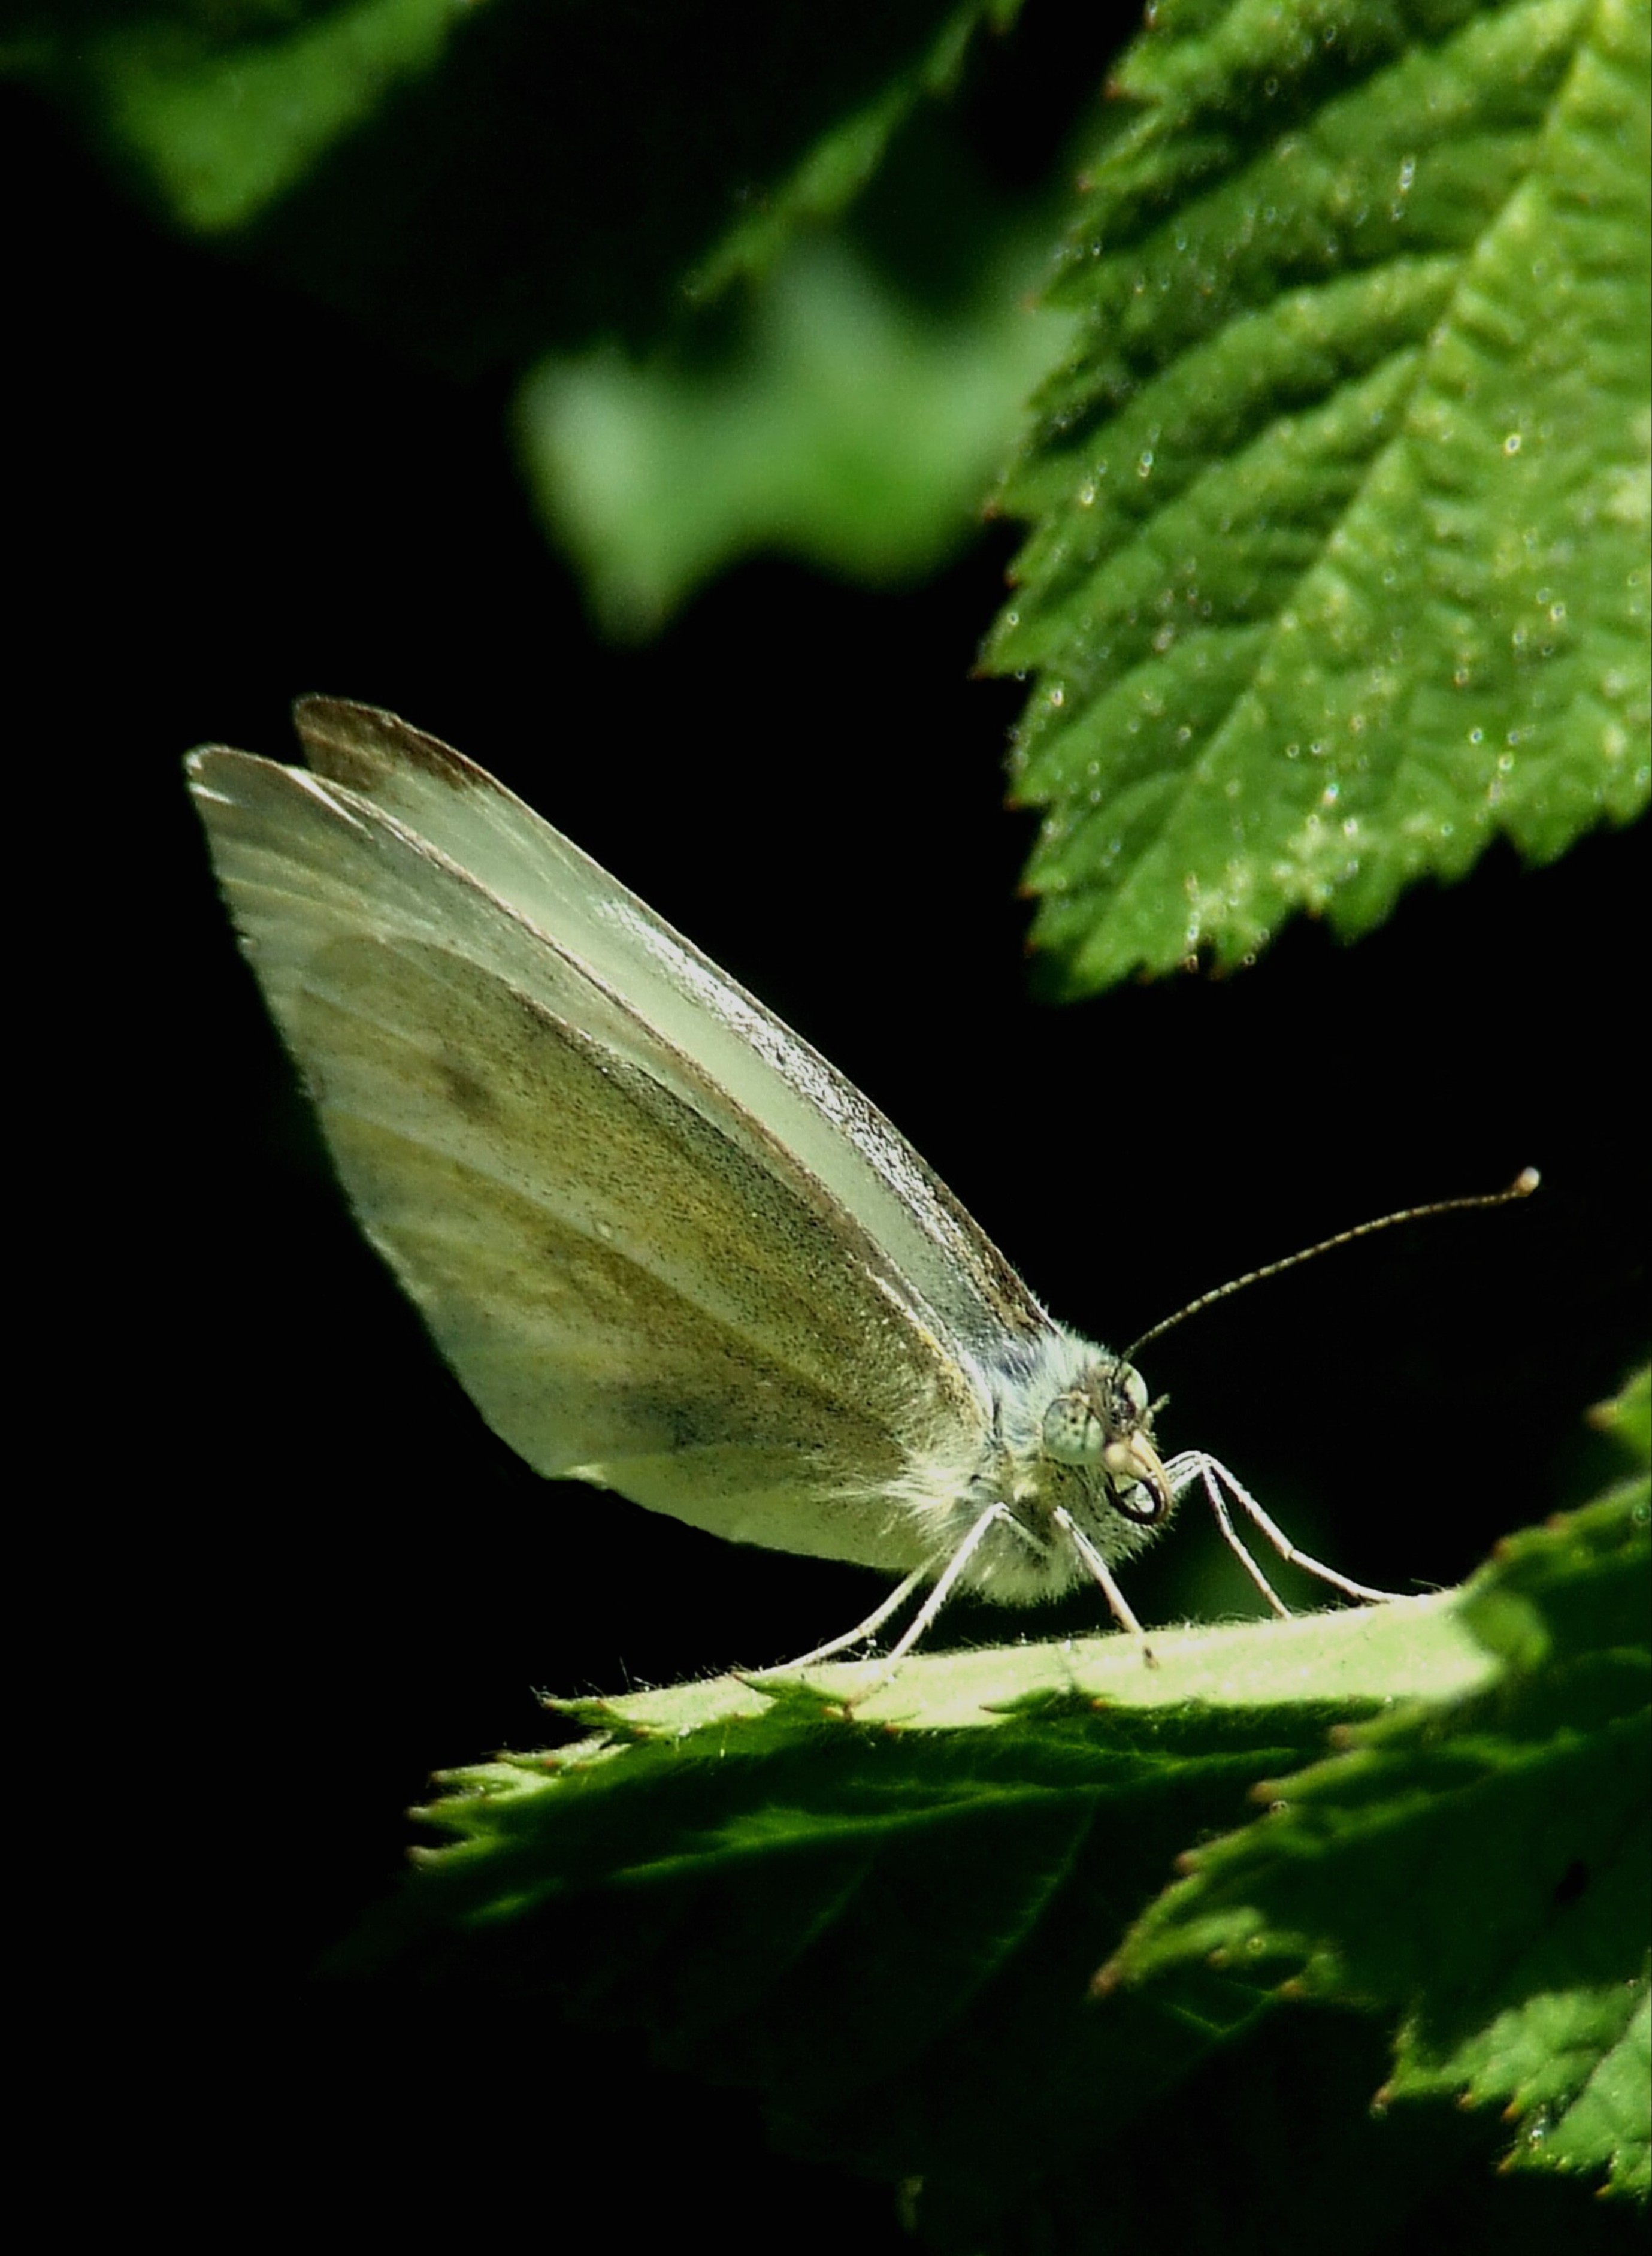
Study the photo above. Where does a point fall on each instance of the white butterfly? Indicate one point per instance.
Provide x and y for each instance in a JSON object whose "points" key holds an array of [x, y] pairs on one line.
{"points": [[665, 1247]]}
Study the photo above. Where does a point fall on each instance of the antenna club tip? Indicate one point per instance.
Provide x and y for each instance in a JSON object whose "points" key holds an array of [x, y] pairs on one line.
{"points": [[1525, 1183]]}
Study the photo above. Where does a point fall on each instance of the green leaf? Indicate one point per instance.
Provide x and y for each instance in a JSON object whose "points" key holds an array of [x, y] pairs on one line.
{"points": [[1480, 1868], [1418, 1648], [1339, 567], [1627, 1420], [886, 1934], [848, 427], [879, 1903]]}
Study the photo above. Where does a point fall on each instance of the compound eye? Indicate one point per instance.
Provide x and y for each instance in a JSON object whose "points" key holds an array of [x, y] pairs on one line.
{"points": [[1072, 1433], [1135, 1388]]}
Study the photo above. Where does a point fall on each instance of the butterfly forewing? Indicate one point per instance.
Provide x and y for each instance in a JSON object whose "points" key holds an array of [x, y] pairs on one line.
{"points": [[701, 1014]]}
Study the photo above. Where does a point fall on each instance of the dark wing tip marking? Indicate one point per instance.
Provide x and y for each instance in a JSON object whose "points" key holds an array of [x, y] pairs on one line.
{"points": [[360, 745]]}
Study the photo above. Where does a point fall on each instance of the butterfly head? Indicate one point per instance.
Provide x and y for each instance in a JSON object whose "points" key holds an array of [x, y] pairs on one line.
{"points": [[1104, 1423]]}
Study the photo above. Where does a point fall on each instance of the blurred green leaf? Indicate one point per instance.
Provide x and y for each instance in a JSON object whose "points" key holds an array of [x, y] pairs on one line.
{"points": [[848, 427], [481, 181], [225, 112], [1341, 506], [832, 173], [420, 162]]}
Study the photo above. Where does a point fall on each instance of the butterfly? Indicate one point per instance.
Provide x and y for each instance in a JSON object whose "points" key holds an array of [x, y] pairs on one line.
{"points": [[666, 1248]]}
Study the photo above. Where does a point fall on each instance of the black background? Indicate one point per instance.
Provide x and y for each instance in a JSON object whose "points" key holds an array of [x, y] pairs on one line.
{"points": [[287, 1572]]}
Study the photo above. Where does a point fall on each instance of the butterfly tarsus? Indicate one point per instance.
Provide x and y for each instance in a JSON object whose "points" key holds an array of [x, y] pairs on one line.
{"points": [[859, 1635], [1214, 1477]]}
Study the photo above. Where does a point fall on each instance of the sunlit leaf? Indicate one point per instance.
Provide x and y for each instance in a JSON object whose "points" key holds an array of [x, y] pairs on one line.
{"points": [[1339, 561]]}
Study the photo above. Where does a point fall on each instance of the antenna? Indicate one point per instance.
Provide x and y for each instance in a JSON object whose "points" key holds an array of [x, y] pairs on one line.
{"points": [[1523, 1186]]}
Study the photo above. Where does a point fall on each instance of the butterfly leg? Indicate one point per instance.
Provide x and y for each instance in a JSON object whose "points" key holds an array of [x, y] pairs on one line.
{"points": [[946, 1582], [1117, 1603], [869, 1628], [1214, 1477]]}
